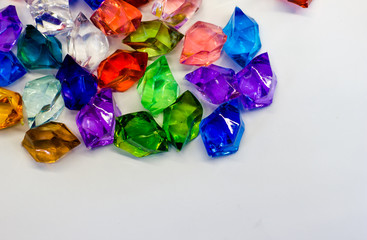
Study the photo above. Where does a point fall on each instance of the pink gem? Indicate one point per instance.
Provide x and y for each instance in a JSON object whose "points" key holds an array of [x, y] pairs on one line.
{"points": [[203, 44]]}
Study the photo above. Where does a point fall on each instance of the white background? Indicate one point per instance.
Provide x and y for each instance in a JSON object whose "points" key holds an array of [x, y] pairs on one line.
{"points": [[300, 173]]}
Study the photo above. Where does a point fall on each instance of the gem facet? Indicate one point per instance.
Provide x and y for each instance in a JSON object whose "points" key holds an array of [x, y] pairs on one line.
{"points": [[42, 100], [243, 38], [203, 44], [115, 17], [96, 120], [140, 135], [181, 120], [302, 3], [121, 70], [78, 85], [10, 69], [216, 83], [222, 130], [154, 37], [38, 51], [158, 88], [49, 142], [51, 16], [86, 44], [175, 12], [11, 108], [257, 83], [94, 4], [10, 28], [137, 3]]}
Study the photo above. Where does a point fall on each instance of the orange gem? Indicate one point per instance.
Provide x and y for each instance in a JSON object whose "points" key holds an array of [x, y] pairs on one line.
{"points": [[115, 17], [11, 108], [302, 3], [122, 69]]}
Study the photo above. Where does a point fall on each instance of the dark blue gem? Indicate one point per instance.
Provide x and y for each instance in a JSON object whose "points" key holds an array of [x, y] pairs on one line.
{"points": [[94, 4], [10, 68]]}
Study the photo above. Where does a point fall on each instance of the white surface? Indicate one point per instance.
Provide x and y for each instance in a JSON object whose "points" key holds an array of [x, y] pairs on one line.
{"points": [[300, 173]]}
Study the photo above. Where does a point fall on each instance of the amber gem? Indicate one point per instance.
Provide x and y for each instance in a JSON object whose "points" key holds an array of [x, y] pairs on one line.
{"points": [[11, 108]]}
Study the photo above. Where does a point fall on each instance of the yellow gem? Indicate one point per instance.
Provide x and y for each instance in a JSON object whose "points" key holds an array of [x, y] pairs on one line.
{"points": [[11, 108]]}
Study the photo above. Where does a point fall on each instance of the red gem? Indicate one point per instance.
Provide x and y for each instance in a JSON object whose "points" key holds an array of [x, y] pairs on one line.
{"points": [[302, 3], [137, 3]]}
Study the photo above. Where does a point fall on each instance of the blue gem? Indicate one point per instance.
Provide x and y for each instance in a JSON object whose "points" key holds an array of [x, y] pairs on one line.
{"points": [[243, 40], [222, 130], [94, 4], [10, 69], [78, 85]]}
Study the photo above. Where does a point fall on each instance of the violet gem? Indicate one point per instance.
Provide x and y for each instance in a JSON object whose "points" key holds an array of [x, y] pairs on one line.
{"points": [[96, 120], [256, 83], [10, 28], [216, 83]]}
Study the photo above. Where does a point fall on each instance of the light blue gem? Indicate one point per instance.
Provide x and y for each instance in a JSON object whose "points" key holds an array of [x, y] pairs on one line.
{"points": [[243, 40], [42, 100]]}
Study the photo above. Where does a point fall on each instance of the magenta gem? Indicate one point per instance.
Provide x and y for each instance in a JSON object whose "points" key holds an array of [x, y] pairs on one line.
{"points": [[256, 83], [10, 28], [96, 120]]}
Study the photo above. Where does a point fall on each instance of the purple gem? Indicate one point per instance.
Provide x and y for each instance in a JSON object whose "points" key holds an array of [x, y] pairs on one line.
{"points": [[10, 28], [96, 120], [216, 83], [256, 83]]}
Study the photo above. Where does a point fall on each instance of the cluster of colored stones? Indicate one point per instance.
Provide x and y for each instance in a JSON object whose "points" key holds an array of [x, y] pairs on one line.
{"points": [[99, 120]]}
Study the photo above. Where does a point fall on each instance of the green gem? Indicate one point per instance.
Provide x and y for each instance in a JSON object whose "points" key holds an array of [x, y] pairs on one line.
{"points": [[139, 134], [181, 120], [36, 50], [154, 38], [158, 88]]}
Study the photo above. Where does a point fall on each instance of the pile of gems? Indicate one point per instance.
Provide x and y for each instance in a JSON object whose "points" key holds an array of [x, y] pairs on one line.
{"points": [[98, 119]]}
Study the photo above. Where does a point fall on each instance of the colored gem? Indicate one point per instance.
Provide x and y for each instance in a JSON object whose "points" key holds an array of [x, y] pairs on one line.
{"points": [[216, 83], [140, 135], [42, 100], [86, 44], [302, 3], [222, 130], [96, 120], [94, 4], [78, 86], [158, 88], [121, 70], [10, 68], [115, 17], [257, 83], [11, 108], [154, 37], [181, 120], [35, 50], [137, 3], [203, 44], [10, 28], [175, 12], [49, 142], [51, 16], [243, 38]]}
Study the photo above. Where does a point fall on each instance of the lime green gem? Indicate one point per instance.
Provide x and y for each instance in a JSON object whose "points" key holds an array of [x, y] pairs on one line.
{"points": [[181, 120], [140, 135], [154, 38], [158, 88]]}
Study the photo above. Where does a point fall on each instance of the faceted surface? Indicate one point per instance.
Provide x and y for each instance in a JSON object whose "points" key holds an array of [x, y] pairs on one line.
{"points": [[137, 3], [154, 38], [302, 3], [140, 135], [203, 44], [175, 12], [11, 108], [257, 83], [116, 17], [243, 40], [158, 88], [181, 120], [94, 4], [49, 142], [51, 16], [42, 100], [222, 130], [121, 70], [10, 68], [78, 85], [96, 120], [216, 83], [87, 44], [10, 28], [38, 51]]}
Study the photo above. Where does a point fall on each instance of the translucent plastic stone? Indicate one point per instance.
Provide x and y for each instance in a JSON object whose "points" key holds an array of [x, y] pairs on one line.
{"points": [[10, 28], [11, 108], [302, 3], [11, 69]]}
